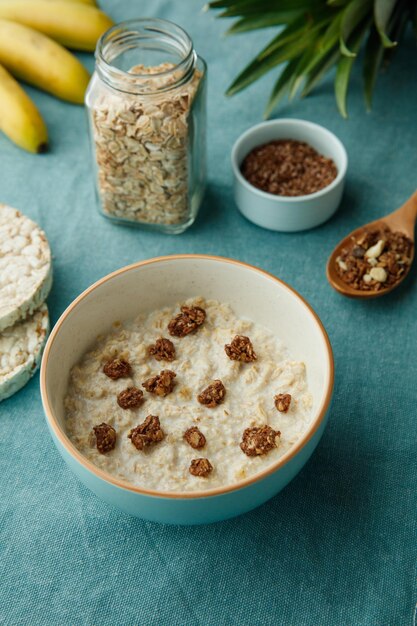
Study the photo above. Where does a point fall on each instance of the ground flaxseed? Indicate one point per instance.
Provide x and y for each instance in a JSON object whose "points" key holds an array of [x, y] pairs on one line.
{"points": [[286, 167]]}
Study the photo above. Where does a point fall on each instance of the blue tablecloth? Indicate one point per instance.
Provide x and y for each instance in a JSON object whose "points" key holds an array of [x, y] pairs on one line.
{"points": [[338, 546]]}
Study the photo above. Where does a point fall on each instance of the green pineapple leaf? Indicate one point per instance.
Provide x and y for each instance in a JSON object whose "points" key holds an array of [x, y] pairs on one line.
{"points": [[331, 34], [299, 72], [262, 65], [397, 24], [319, 70], [352, 16], [337, 3], [302, 28], [256, 7], [382, 12], [374, 53], [344, 70], [265, 20], [314, 36], [293, 31], [281, 87]]}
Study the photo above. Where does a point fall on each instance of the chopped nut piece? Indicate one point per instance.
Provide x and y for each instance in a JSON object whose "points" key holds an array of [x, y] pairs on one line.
{"points": [[200, 467], [147, 434], [379, 274], [358, 252], [162, 350], [195, 438], [282, 402], [259, 440], [375, 251], [130, 398], [241, 349], [213, 395], [186, 322], [117, 368], [105, 437], [162, 384]]}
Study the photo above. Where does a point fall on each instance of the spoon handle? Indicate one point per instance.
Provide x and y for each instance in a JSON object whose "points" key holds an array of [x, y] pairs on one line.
{"points": [[409, 208], [405, 217]]}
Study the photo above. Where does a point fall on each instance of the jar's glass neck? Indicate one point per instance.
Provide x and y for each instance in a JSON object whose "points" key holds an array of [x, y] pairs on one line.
{"points": [[145, 57]]}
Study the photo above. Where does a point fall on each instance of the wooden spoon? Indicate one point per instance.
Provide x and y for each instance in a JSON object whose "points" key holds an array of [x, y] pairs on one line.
{"points": [[402, 220]]}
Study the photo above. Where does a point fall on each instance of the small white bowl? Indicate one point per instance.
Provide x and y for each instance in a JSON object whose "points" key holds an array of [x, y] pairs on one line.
{"points": [[150, 285], [284, 213]]}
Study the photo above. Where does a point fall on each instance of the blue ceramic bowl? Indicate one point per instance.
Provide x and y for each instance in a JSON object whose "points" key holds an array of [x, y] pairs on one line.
{"points": [[159, 282], [288, 213]]}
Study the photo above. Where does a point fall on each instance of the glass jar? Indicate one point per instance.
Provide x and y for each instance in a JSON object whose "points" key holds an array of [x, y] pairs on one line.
{"points": [[146, 105]]}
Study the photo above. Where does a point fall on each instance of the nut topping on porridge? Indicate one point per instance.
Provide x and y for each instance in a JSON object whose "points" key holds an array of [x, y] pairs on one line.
{"points": [[241, 349], [282, 402], [213, 395], [200, 467], [130, 398], [105, 437], [162, 384], [195, 438], [162, 350], [259, 440], [117, 368], [147, 434], [186, 322]]}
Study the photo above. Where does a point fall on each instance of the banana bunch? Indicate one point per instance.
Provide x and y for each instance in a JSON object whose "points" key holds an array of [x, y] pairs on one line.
{"points": [[33, 34]]}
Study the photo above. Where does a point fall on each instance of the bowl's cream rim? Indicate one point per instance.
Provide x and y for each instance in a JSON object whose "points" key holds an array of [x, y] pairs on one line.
{"points": [[72, 450], [341, 174]]}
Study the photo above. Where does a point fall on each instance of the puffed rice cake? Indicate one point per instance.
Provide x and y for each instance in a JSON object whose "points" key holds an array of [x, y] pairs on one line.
{"points": [[25, 267], [21, 347]]}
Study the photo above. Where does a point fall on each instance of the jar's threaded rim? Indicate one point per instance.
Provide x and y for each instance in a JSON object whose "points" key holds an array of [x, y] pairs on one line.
{"points": [[134, 33]]}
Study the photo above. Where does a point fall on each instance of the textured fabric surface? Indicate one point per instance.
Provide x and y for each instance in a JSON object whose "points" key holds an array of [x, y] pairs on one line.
{"points": [[338, 546]]}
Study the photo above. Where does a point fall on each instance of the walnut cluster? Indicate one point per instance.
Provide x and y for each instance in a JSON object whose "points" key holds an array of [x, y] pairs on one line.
{"points": [[195, 438], [282, 402], [162, 350], [200, 467], [213, 395], [130, 398], [241, 349], [162, 384], [147, 434], [105, 437], [117, 368], [260, 440], [186, 322]]}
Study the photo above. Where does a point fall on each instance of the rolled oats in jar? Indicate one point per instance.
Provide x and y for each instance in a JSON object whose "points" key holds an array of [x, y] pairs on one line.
{"points": [[146, 104]]}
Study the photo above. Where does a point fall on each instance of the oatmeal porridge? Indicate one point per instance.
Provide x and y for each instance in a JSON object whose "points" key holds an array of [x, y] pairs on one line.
{"points": [[187, 398]]}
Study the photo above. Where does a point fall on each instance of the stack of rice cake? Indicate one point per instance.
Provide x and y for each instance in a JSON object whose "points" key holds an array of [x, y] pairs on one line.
{"points": [[25, 282]]}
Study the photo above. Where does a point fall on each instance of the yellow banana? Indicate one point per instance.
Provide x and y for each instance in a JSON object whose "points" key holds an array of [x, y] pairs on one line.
{"points": [[20, 120], [72, 24], [41, 62]]}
